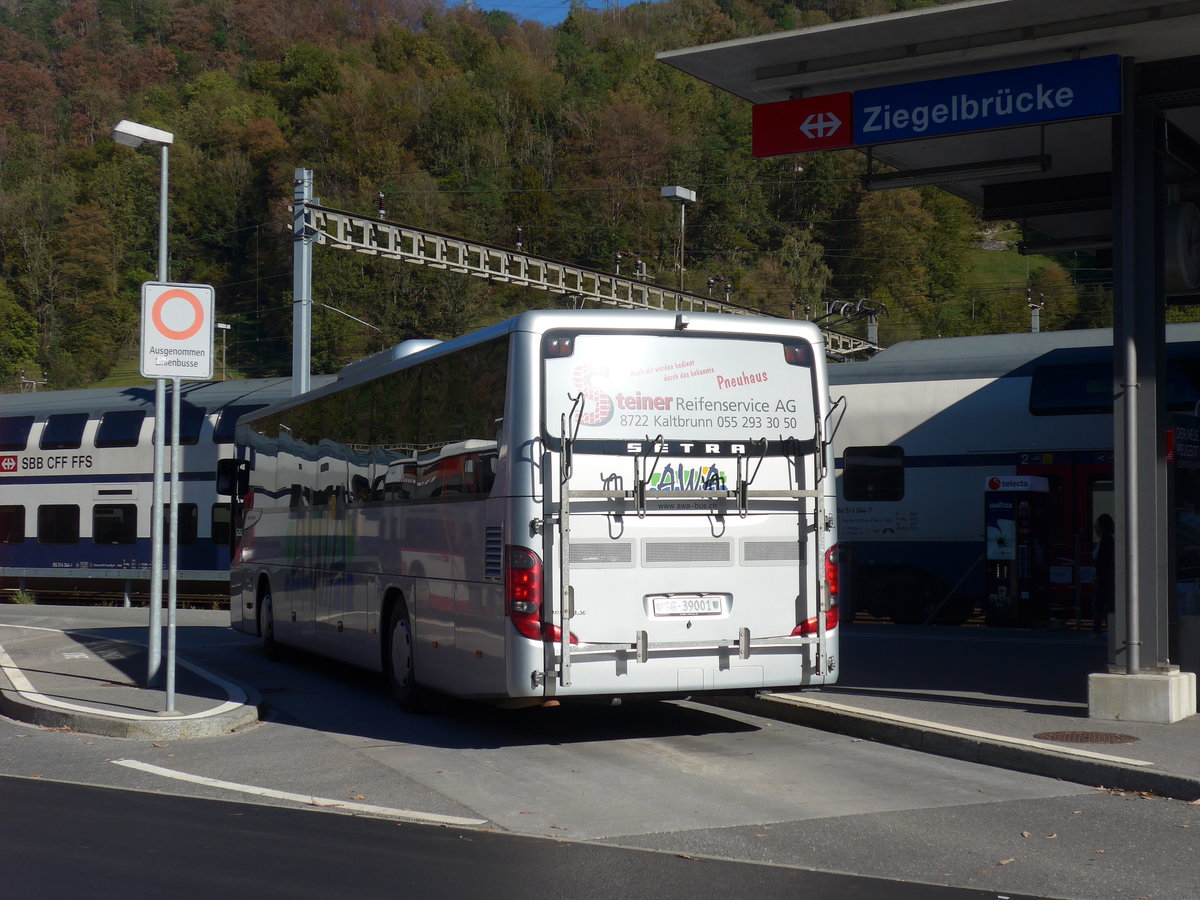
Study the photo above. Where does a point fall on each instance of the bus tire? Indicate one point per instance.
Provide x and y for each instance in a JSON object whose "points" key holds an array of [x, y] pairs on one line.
{"points": [[266, 626], [398, 661]]}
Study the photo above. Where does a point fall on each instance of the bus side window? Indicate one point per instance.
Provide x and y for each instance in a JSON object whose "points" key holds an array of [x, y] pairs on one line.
{"points": [[873, 473]]}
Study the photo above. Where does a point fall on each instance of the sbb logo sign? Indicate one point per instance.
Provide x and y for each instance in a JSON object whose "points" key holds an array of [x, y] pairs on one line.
{"points": [[8, 464]]}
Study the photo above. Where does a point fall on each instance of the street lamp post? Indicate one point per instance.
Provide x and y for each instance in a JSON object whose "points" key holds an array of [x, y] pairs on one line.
{"points": [[132, 134], [683, 196]]}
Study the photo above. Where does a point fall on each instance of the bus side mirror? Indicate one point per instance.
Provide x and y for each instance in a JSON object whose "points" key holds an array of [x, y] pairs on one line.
{"points": [[233, 477]]}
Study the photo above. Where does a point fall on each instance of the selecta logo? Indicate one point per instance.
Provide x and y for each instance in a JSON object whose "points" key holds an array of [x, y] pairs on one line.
{"points": [[599, 408], [993, 483], [8, 464]]}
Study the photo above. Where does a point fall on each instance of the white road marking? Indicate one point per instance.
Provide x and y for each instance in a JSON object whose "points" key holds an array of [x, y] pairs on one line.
{"points": [[307, 800]]}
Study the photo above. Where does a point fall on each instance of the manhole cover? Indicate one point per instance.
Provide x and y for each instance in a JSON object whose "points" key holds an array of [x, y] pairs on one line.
{"points": [[1086, 737]]}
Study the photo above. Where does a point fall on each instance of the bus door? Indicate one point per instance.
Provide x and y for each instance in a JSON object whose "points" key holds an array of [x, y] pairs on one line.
{"points": [[1080, 489]]}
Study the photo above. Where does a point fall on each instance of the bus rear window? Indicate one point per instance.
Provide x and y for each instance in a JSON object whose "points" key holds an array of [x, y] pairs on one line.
{"points": [[690, 389]]}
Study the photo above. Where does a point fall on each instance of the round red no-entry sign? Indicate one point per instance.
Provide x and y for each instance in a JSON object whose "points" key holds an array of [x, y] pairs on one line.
{"points": [[177, 330]]}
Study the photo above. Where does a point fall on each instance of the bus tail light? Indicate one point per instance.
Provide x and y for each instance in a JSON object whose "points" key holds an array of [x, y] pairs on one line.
{"points": [[523, 595], [832, 573], [809, 626]]}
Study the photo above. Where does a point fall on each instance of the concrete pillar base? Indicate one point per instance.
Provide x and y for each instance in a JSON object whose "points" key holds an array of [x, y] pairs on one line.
{"points": [[1148, 697]]}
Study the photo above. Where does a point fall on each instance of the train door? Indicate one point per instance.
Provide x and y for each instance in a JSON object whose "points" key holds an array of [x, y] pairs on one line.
{"points": [[1080, 489], [1016, 519]]}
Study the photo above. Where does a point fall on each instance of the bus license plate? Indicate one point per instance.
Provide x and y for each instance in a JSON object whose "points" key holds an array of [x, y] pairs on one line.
{"points": [[688, 604]]}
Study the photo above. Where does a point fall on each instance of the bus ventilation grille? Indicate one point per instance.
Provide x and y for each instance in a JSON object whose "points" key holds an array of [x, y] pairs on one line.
{"points": [[770, 551], [692, 553], [493, 553], [608, 555]]}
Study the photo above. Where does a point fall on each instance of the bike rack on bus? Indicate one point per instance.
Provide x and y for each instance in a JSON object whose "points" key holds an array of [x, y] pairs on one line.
{"points": [[641, 503]]}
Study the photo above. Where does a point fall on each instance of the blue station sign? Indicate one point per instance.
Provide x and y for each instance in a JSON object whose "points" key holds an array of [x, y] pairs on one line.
{"points": [[1075, 89]]}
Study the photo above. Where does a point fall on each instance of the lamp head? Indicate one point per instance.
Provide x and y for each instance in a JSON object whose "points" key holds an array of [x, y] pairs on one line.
{"points": [[131, 134], [678, 194]]}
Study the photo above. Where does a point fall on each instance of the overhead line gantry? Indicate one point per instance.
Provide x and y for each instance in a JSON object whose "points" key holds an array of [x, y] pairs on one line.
{"points": [[581, 285]]}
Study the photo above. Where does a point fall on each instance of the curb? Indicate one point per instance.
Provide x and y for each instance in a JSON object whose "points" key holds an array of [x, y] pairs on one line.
{"points": [[20, 702], [970, 746], [165, 728]]}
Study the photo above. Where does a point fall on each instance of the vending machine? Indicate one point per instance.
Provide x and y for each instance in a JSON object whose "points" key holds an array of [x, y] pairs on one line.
{"points": [[1016, 522]]}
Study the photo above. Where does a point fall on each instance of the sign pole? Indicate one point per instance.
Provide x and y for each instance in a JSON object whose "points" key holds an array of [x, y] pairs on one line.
{"points": [[154, 641], [177, 343], [173, 556]]}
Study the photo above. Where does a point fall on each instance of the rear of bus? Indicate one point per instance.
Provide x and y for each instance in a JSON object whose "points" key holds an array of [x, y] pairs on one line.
{"points": [[685, 540]]}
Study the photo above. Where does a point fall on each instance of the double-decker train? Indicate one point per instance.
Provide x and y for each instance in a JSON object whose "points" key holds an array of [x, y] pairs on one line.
{"points": [[930, 425], [76, 483]]}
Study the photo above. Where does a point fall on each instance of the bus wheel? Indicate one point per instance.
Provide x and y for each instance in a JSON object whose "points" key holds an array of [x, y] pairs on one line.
{"points": [[398, 661], [266, 626]]}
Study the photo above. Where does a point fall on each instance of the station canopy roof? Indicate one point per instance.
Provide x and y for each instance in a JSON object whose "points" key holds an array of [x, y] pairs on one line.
{"points": [[1071, 200]]}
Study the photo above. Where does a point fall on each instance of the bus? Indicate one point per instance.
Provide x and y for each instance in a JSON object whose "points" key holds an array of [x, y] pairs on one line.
{"points": [[570, 504], [76, 476], [931, 425]]}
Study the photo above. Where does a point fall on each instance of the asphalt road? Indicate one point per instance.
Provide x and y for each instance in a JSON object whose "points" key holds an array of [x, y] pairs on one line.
{"points": [[682, 779], [76, 840]]}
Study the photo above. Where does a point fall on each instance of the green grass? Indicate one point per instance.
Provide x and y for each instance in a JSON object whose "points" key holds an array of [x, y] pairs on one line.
{"points": [[998, 269], [127, 373]]}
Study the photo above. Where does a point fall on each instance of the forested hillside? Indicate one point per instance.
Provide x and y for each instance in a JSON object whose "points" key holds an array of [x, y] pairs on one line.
{"points": [[469, 122]]}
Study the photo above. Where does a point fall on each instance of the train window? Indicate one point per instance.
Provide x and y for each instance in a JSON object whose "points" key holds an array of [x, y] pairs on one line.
{"points": [[228, 419], [114, 523], [63, 431], [1080, 389], [120, 429], [12, 524], [14, 432], [220, 524], [190, 420], [873, 473], [58, 524], [188, 524], [1183, 385]]}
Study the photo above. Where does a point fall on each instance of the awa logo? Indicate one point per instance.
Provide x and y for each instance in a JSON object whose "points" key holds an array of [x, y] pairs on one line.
{"points": [[599, 407], [679, 478], [8, 464]]}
